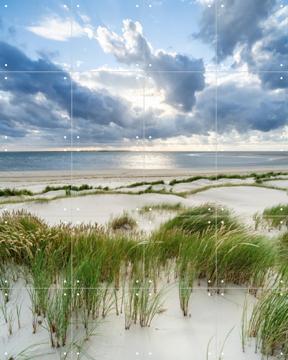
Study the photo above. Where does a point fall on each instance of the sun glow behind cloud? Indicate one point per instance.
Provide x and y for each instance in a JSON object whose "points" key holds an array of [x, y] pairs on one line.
{"points": [[171, 98]]}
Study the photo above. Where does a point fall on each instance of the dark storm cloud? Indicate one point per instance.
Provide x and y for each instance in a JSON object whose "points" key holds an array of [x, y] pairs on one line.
{"points": [[181, 78], [242, 108], [55, 87], [238, 22], [274, 80], [269, 54], [258, 29], [38, 101], [133, 48]]}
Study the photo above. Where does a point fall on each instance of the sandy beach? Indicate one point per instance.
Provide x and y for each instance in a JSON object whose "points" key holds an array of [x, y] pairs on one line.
{"points": [[212, 318], [242, 197], [213, 328]]}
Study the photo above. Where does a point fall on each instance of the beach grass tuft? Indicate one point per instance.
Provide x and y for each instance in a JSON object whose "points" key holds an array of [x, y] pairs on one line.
{"points": [[269, 323], [123, 222], [82, 273], [162, 207]]}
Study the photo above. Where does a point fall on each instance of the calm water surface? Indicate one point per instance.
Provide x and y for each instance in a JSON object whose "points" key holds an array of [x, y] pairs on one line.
{"points": [[101, 160]]}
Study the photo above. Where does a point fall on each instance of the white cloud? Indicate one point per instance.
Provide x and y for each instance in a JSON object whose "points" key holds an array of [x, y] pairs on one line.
{"points": [[178, 76], [55, 28], [129, 48]]}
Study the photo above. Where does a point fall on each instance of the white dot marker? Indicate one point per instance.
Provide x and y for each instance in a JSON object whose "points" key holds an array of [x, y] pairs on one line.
{"points": [[222, 5], [78, 6], [281, 77], [5, 5], [5, 77]]}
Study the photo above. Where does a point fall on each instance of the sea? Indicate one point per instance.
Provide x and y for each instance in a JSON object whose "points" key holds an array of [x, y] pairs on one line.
{"points": [[108, 160]]}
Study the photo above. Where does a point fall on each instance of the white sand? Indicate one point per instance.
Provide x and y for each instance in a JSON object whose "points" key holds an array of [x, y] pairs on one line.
{"points": [[280, 183], [170, 337], [37, 180], [173, 337], [245, 201], [97, 208]]}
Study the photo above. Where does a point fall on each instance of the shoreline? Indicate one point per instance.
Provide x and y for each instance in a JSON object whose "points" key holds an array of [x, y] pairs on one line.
{"points": [[40, 175]]}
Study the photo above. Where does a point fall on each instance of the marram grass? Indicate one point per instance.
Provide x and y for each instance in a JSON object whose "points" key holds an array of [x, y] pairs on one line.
{"points": [[276, 216], [269, 323], [123, 222], [83, 273]]}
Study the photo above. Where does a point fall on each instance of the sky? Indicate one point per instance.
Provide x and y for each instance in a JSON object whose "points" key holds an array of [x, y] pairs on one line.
{"points": [[138, 74]]}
